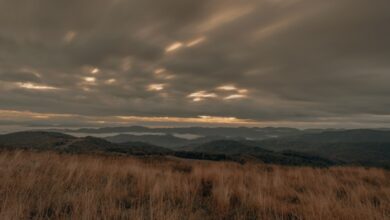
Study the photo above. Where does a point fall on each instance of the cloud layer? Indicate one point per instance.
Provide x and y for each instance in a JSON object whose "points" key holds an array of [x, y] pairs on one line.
{"points": [[261, 62]]}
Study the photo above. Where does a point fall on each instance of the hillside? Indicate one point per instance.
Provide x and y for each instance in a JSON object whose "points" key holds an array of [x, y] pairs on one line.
{"points": [[39, 140], [244, 150], [229, 150], [342, 136], [35, 139], [229, 147], [359, 147], [366, 147], [168, 141], [143, 148], [222, 132]]}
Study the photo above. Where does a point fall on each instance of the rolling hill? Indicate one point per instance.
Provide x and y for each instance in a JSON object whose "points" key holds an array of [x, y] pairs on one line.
{"points": [[167, 141], [40, 140], [215, 150], [245, 150], [361, 147], [35, 139], [229, 147], [222, 132]]}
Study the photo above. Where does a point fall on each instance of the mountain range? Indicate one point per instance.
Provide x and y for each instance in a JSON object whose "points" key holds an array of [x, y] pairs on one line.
{"points": [[231, 132], [317, 148]]}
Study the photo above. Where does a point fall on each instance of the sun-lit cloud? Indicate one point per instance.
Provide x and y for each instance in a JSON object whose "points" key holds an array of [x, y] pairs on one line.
{"points": [[174, 46], [224, 16], [178, 45], [201, 95], [36, 86], [87, 69], [162, 73], [168, 76], [242, 91], [195, 41], [159, 71], [227, 88], [13, 114], [235, 96], [86, 88], [200, 119], [235, 92], [32, 71], [90, 79], [110, 81], [95, 70], [155, 87], [126, 119], [277, 26], [70, 36]]}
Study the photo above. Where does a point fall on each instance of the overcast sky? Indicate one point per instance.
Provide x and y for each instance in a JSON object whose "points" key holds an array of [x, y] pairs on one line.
{"points": [[298, 63]]}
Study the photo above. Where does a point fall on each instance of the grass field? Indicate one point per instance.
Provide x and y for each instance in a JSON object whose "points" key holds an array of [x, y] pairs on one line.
{"points": [[48, 185]]}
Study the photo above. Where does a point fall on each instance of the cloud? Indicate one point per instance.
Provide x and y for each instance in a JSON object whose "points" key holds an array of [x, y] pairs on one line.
{"points": [[268, 61], [19, 75]]}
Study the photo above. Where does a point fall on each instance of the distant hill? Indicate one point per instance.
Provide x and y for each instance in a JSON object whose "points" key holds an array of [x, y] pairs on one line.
{"points": [[226, 147], [34, 139], [362, 146], [215, 150], [40, 140], [167, 141], [227, 132], [88, 144], [345, 136], [145, 148], [244, 150]]}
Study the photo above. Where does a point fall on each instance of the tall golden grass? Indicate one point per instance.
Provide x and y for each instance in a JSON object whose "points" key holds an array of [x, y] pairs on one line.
{"points": [[58, 186]]}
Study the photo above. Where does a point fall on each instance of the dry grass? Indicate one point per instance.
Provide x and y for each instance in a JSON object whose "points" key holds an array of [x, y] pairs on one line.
{"points": [[54, 186]]}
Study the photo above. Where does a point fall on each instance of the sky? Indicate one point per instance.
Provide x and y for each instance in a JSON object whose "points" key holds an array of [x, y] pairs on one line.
{"points": [[295, 63]]}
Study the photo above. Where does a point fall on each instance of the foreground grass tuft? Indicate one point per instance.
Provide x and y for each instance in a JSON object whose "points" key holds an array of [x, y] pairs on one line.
{"points": [[60, 186]]}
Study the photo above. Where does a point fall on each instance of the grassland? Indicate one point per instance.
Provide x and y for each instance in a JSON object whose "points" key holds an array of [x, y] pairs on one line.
{"points": [[47, 185]]}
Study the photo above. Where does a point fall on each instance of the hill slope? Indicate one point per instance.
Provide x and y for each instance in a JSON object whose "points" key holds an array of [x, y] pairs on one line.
{"points": [[363, 146], [226, 132], [246, 150], [169, 141], [39, 140], [35, 139]]}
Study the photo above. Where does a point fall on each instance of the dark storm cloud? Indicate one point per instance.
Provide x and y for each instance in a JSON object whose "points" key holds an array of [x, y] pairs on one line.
{"points": [[301, 60]]}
